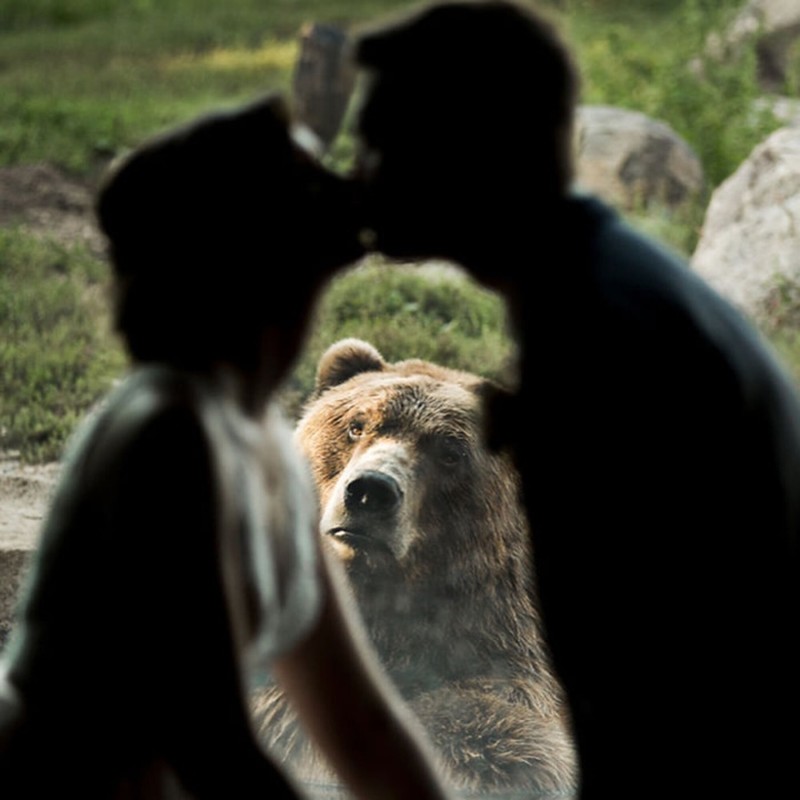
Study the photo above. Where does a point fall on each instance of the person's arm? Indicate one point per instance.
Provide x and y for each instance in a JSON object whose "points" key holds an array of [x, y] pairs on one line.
{"points": [[347, 705]]}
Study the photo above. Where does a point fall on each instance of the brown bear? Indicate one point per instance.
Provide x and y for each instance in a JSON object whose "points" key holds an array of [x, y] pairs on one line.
{"points": [[436, 544]]}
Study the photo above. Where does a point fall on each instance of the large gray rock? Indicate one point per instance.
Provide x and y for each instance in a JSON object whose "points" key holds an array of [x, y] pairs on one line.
{"points": [[634, 161], [749, 248]]}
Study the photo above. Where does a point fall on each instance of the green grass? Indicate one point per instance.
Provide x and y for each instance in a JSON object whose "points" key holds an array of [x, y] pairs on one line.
{"points": [[79, 119], [83, 80], [435, 313], [57, 356]]}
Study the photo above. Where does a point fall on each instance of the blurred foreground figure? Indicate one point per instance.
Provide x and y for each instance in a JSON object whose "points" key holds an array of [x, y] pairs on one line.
{"points": [[657, 436], [182, 543]]}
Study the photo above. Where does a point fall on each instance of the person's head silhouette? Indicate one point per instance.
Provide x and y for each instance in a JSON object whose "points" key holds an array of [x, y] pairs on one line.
{"points": [[219, 228], [465, 124]]}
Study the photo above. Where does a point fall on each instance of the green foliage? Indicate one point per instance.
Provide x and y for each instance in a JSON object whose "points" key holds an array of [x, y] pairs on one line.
{"points": [[432, 312], [653, 57], [56, 354], [779, 316], [677, 228], [780, 309], [659, 67], [648, 9]]}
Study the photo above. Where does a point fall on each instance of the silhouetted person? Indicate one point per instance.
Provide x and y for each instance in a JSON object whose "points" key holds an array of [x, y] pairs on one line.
{"points": [[182, 546], [657, 436]]}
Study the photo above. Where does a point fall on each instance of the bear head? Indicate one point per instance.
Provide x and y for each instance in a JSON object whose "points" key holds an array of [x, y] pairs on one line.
{"points": [[425, 516]]}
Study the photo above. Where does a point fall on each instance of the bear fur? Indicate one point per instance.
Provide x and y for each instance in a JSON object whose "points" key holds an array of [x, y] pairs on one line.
{"points": [[436, 546]]}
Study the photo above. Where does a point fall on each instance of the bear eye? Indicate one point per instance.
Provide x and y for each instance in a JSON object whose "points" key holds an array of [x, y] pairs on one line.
{"points": [[450, 451], [355, 430]]}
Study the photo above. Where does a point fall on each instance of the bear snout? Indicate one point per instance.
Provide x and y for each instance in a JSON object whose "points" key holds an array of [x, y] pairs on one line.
{"points": [[373, 493], [366, 512]]}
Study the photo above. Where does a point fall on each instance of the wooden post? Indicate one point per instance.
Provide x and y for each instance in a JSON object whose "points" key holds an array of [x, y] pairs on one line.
{"points": [[323, 80]]}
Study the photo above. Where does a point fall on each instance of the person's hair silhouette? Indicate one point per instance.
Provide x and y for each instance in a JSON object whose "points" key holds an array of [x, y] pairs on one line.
{"points": [[657, 435]]}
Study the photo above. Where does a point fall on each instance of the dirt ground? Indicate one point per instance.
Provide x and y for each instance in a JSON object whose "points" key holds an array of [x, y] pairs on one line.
{"points": [[45, 201], [25, 493]]}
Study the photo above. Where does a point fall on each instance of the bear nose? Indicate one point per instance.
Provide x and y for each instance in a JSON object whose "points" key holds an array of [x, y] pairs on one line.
{"points": [[373, 493]]}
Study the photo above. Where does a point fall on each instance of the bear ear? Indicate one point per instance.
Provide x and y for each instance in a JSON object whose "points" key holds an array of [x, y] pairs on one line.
{"points": [[345, 359]]}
